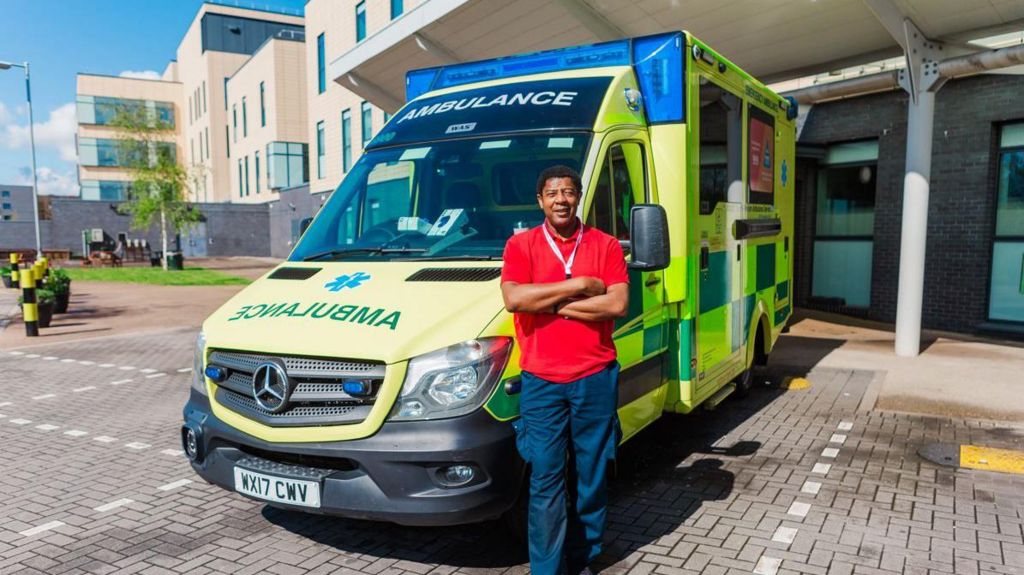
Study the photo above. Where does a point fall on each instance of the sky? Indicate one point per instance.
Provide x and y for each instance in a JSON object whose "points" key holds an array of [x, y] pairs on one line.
{"points": [[59, 39]]}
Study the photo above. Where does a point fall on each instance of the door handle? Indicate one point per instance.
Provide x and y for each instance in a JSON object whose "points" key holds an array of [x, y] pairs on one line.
{"points": [[704, 258], [652, 281]]}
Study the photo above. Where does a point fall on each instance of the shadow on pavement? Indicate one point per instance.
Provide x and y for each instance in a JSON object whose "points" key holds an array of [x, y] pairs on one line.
{"points": [[661, 479]]}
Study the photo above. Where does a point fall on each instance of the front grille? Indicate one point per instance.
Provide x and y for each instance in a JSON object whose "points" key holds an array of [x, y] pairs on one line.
{"points": [[455, 275], [318, 396]]}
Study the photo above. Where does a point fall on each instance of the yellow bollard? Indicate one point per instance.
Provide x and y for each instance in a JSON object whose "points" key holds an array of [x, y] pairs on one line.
{"points": [[14, 271], [29, 307]]}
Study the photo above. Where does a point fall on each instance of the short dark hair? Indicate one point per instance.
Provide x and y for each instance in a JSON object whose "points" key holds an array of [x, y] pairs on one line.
{"points": [[559, 171]]}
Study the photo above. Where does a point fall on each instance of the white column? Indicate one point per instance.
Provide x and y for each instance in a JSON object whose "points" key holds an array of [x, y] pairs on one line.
{"points": [[920, 116]]}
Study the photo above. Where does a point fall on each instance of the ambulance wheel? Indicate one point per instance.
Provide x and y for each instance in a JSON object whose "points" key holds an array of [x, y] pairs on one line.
{"points": [[744, 383]]}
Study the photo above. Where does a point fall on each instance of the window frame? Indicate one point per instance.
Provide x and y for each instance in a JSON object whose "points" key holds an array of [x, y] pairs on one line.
{"points": [[321, 135], [360, 21], [735, 155], [346, 140], [590, 218], [321, 57]]}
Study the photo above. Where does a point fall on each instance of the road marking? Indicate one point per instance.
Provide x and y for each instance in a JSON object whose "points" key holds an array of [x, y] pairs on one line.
{"points": [[49, 358], [5, 404], [830, 452], [86, 362], [147, 370], [126, 368], [76, 433], [152, 375], [137, 445], [991, 459], [45, 396], [185, 370], [2, 416], [81, 389], [104, 439], [47, 427], [21, 421], [105, 365], [68, 360], [799, 508], [784, 535], [17, 353], [113, 505], [812, 487], [767, 565], [32, 355], [41, 528], [821, 468], [175, 485], [121, 382], [795, 383], [173, 452], [837, 438]]}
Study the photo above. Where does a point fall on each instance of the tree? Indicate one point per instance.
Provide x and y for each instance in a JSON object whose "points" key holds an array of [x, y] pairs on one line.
{"points": [[160, 185]]}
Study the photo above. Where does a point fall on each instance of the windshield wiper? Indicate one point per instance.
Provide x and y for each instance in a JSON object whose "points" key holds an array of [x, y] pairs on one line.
{"points": [[456, 258], [350, 251]]}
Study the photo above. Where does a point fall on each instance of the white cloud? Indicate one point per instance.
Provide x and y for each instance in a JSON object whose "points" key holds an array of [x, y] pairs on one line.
{"points": [[51, 182], [141, 74], [5, 116], [57, 132]]}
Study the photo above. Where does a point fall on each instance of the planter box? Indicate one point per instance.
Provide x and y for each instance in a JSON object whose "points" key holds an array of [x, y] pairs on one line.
{"points": [[7, 281], [60, 304]]}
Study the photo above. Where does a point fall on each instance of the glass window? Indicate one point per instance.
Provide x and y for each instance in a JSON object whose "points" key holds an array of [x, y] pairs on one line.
{"points": [[240, 34], [204, 96], [263, 107], [5, 194], [105, 152], [367, 123], [245, 120], [720, 170], [234, 123], [102, 111], [241, 189], [346, 141], [256, 170], [225, 92], [110, 191], [227, 140], [621, 185], [191, 116], [321, 69], [287, 164], [393, 195], [1006, 297], [247, 175], [1010, 194], [206, 136], [6, 205], [397, 7], [360, 21], [320, 149]]}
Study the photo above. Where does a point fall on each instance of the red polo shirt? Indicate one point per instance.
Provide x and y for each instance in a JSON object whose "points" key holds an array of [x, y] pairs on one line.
{"points": [[552, 347]]}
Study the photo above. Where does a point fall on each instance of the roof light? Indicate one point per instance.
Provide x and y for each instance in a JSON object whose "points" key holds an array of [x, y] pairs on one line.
{"points": [[418, 82], [658, 61]]}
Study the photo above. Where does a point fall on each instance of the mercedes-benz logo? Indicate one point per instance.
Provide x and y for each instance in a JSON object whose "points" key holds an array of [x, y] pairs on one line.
{"points": [[270, 387]]}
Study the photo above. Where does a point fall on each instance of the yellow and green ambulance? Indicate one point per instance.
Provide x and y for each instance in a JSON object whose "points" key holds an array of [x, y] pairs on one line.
{"points": [[374, 374]]}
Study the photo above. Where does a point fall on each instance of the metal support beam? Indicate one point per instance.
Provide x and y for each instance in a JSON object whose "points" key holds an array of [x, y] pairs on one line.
{"points": [[371, 92]]}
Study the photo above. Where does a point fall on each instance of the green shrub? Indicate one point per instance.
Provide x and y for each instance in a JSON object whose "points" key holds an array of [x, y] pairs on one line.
{"points": [[5, 271], [42, 296], [59, 282]]}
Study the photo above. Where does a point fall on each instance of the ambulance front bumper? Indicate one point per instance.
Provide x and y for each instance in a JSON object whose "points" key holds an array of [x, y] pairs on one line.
{"points": [[402, 474]]}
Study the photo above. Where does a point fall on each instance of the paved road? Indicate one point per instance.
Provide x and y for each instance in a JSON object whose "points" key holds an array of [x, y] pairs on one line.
{"points": [[782, 482]]}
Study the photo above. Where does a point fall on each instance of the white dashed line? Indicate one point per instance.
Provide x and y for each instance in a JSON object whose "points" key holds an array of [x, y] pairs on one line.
{"points": [[105, 365], [837, 438], [799, 508], [185, 370], [152, 375], [113, 505], [47, 427], [173, 452], [811, 487], [120, 382], [126, 368], [5, 404], [147, 370], [49, 358], [86, 362], [81, 389], [767, 566], [137, 445], [845, 426], [830, 452], [41, 528], [175, 485], [32, 355], [76, 433], [2, 416], [17, 353], [68, 360], [21, 421], [45, 396], [104, 439], [784, 535], [821, 468]]}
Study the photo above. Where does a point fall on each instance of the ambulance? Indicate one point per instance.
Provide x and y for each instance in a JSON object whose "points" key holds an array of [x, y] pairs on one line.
{"points": [[375, 373]]}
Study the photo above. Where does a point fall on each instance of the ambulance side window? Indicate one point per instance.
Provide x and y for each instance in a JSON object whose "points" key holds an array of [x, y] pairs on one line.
{"points": [[720, 152], [621, 184]]}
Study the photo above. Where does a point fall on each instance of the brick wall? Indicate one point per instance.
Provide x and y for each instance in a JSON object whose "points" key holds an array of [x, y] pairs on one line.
{"points": [[961, 211]]}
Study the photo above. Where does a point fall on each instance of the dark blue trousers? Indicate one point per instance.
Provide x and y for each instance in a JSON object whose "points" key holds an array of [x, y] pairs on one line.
{"points": [[578, 419]]}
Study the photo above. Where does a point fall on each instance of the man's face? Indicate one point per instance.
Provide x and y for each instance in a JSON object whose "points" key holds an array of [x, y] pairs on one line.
{"points": [[559, 199]]}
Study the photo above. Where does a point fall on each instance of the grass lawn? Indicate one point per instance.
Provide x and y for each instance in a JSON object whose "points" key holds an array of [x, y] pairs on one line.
{"points": [[156, 276]]}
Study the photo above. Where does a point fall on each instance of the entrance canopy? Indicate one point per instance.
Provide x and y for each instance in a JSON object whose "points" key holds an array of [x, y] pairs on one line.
{"points": [[773, 41]]}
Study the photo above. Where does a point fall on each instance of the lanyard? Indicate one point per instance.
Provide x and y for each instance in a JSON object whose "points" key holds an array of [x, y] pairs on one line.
{"points": [[558, 253]]}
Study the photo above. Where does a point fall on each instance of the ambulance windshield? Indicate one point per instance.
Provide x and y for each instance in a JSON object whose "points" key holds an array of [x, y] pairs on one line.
{"points": [[450, 199]]}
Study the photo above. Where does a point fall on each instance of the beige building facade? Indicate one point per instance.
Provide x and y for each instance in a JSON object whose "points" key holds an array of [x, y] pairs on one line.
{"points": [[340, 122]]}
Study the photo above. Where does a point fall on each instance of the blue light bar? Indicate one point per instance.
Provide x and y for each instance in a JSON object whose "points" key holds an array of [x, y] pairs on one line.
{"points": [[657, 60]]}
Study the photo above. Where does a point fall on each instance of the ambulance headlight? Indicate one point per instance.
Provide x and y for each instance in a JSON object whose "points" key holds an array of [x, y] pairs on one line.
{"points": [[198, 364], [452, 381]]}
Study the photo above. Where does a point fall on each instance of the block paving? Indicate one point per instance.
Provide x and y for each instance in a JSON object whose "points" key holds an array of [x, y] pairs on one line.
{"points": [[780, 482]]}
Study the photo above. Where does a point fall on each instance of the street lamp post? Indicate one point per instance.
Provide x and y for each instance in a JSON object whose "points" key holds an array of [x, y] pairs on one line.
{"points": [[32, 144]]}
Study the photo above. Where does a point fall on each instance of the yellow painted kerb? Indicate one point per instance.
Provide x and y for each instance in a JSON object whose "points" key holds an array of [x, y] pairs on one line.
{"points": [[991, 459]]}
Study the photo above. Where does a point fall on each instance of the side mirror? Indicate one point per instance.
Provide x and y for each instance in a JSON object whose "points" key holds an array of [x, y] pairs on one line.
{"points": [[304, 225], [648, 232]]}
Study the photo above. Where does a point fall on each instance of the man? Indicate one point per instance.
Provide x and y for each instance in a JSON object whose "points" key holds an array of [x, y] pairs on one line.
{"points": [[566, 283]]}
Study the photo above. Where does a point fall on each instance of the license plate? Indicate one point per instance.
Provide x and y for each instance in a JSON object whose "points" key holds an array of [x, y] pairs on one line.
{"points": [[277, 489]]}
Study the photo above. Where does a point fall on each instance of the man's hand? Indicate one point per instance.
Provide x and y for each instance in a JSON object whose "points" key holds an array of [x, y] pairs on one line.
{"points": [[611, 305], [590, 287], [541, 298]]}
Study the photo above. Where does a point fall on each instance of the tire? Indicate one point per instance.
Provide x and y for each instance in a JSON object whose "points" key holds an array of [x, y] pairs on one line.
{"points": [[744, 382]]}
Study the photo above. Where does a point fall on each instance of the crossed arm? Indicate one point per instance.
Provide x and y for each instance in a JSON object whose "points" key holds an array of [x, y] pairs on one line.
{"points": [[582, 298]]}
